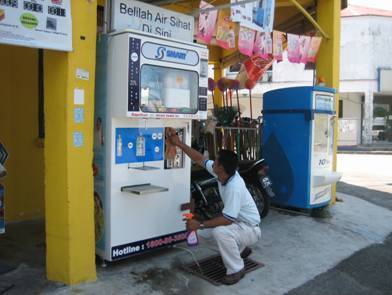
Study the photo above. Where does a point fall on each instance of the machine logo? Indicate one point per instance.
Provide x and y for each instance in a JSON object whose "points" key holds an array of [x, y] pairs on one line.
{"points": [[170, 54], [162, 51]]}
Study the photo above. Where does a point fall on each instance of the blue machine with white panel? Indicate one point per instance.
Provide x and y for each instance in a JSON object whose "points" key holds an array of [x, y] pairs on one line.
{"points": [[298, 135]]}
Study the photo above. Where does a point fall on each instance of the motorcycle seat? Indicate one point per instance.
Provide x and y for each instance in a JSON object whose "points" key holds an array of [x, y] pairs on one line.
{"points": [[247, 165]]}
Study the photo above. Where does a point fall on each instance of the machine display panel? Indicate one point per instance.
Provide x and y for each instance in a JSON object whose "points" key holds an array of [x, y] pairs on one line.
{"points": [[168, 90]]}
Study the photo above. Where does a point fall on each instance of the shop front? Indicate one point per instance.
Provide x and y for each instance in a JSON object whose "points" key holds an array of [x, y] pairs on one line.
{"points": [[55, 118]]}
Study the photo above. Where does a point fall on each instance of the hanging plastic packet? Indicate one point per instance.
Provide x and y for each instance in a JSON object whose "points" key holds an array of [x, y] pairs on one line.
{"points": [[225, 36], [277, 42], [293, 48], [304, 45], [207, 21], [238, 11], [313, 49], [263, 45], [246, 38]]}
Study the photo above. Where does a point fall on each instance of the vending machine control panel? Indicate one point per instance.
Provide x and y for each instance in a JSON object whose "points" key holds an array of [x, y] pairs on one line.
{"points": [[178, 160]]}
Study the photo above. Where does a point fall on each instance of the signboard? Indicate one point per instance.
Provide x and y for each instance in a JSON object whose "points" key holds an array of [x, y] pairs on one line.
{"points": [[137, 145], [130, 14], [40, 24]]}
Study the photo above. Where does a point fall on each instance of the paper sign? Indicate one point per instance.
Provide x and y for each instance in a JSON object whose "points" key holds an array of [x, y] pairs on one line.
{"points": [[277, 41], [293, 48], [39, 24], [246, 39], [82, 74], [313, 49], [207, 21], [79, 96], [79, 115], [78, 139], [225, 35]]}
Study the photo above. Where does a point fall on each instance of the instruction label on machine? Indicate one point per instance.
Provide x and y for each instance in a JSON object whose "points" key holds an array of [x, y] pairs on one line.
{"points": [[136, 145]]}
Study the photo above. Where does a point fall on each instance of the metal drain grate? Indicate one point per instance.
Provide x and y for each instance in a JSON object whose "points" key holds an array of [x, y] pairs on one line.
{"points": [[213, 270]]}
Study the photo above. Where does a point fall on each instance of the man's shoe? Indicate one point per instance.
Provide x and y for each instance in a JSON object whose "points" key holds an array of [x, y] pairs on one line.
{"points": [[246, 252], [233, 278]]}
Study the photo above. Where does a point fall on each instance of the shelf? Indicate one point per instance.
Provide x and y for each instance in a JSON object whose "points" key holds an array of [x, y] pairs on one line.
{"points": [[143, 189]]}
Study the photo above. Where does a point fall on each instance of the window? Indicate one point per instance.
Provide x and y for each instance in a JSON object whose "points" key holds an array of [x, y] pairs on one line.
{"points": [[168, 90]]}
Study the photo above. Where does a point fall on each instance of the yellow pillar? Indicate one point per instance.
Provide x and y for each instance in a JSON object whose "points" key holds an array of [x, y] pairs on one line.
{"points": [[70, 256], [328, 63], [218, 73]]}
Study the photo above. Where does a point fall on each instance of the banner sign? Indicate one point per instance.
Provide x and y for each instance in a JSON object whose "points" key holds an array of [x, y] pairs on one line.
{"points": [[39, 24], [130, 14]]}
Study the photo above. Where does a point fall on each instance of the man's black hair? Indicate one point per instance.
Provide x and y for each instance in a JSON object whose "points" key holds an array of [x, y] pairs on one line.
{"points": [[229, 161]]}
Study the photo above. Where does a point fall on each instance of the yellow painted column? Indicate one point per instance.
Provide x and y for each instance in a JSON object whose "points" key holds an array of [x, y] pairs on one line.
{"points": [[218, 73], [328, 62], [70, 254]]}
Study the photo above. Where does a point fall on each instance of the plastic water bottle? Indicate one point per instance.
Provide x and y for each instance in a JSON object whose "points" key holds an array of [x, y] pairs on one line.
{"points": [[119, 146], [140, 146], [191, 237]]}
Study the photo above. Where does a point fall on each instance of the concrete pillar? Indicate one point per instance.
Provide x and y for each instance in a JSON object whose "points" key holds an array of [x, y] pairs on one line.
{"points": [[328, 62], [70, 254], [367, 123]]}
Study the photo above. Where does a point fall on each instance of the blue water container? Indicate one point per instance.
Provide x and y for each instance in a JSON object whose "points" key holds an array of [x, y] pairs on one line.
{"points": [[297, 143]]}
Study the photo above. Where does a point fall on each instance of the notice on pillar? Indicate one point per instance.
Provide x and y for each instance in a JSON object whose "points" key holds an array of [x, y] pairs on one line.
{"points": [[38, 24], [130, 14], [78, 139]]}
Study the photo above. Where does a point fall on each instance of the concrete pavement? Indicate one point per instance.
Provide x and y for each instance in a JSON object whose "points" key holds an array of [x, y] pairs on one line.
{"points": [[294, 248], [348, 253]]}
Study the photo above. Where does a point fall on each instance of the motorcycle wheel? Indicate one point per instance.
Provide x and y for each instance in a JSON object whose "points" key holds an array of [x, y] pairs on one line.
{"points": [[262, 201]]}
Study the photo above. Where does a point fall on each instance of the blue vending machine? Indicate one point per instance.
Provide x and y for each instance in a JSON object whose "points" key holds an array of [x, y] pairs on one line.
{"points": [[298, 145]]}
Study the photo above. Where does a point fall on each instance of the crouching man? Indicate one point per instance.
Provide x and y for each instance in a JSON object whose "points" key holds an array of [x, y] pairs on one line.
{"points": [[238, 226]]}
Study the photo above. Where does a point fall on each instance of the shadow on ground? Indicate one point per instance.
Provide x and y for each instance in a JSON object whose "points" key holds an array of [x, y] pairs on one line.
{"points": [[378, 198], [366, 272]]}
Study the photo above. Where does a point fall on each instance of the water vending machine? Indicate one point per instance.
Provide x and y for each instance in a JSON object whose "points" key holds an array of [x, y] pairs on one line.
{"points": [[298, 129], [144, 84]]}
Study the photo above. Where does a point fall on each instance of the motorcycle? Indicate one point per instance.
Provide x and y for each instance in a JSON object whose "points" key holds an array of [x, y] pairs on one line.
{"points": [[207, 202]]}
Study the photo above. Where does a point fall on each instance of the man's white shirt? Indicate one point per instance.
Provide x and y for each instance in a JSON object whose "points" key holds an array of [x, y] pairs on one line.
{"points": [[239, 205]]}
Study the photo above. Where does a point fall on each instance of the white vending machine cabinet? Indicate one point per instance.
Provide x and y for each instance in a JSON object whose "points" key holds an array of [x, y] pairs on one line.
{"points": [[144, 84]]}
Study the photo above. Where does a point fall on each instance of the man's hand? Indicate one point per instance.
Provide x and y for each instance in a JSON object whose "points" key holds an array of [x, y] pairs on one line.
{"points": [[172, 136], [192, 224]]}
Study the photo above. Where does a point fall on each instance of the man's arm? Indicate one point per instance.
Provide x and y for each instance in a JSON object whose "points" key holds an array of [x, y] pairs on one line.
{"points": [[193, 224], [192, 153]]}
